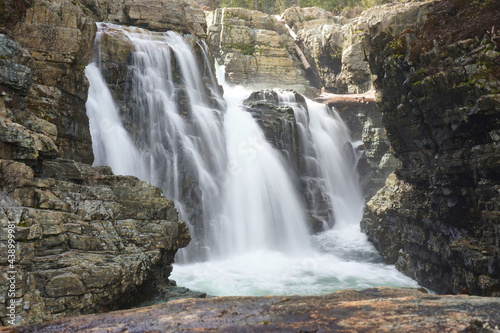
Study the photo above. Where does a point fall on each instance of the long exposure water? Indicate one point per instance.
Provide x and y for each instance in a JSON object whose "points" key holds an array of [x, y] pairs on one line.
{"points": [[243, 203]]}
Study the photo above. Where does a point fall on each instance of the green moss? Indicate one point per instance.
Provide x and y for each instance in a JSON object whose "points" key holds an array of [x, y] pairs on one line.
{"points": [[399, 46], [23, 224], [309, 18], [247, 49]]}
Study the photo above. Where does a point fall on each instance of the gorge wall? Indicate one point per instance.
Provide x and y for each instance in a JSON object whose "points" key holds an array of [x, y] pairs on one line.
{"points": [[74, 238], [437, 217]]}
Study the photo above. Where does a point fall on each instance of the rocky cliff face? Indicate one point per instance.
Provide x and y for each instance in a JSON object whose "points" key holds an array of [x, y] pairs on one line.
{"points": [[85, 240], [81, 239], [256, 49], [437, 217], [333, 44], [334, 47], [58, 37]]}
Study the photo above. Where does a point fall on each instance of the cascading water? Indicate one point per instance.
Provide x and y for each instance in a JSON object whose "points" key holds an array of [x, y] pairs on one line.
{"points": [[246, 216]]}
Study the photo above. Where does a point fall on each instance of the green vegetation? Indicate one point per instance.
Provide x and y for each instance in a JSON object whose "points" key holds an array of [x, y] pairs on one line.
{"points": [[247, 49]]}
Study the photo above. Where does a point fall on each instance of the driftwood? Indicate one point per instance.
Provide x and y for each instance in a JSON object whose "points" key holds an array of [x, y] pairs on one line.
{"points": [[327, 98]]}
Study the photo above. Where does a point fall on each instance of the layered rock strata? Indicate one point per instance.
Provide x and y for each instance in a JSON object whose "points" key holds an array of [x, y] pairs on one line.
{"points": [[156, 15], [85, 240], [256, 50], [377, 309], [437, 217], [58, 37]]}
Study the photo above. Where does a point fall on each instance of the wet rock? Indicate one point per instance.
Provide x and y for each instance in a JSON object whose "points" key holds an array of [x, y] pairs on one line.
{"points": [[376, 309], [280, 127]]}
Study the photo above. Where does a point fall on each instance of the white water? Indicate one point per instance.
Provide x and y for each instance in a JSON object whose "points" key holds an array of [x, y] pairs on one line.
{"points": [[110, 141], [247, 219]]}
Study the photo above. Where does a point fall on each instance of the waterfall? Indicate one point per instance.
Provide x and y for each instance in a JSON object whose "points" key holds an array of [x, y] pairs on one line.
{"points": [[246, 207], [329, 162], [260, 199], [111, 143]]}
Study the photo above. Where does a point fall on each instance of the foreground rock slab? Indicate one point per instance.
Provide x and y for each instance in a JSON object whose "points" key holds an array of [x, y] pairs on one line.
{"points": [[377, 309]]}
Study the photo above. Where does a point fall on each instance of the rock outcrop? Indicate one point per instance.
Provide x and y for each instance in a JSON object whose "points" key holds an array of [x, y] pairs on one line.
{"points": [[335, 46], [256, 50], [85, 240], [377, 309], [156, 15], [54, 44], [437, 217]]}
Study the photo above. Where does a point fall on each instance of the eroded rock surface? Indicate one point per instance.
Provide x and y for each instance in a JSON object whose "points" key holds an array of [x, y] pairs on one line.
{"points": [[377, 309], [55, 41]]}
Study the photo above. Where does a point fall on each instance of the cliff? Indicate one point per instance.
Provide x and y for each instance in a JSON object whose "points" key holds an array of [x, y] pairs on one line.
{"points": [[73, 238], [437, 217]]}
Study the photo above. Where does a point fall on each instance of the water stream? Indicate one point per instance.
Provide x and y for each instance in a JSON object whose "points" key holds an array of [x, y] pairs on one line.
{"points": [[246, 209]]}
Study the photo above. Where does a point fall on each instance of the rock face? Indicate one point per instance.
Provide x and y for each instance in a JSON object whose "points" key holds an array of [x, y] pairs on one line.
{"points": [[321, 37], [85, 240], [335, 45], [256, 50], [55, 39], [437, 217], [377, 309], [277, 121], [335, 48], [156, 15]]}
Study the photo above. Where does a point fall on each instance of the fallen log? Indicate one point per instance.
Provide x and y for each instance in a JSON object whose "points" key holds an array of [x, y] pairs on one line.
{"points": [[328, 98], [302, 57]]}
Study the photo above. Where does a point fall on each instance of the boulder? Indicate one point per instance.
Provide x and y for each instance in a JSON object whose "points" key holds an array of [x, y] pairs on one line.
{"points": [[86, 241]]}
